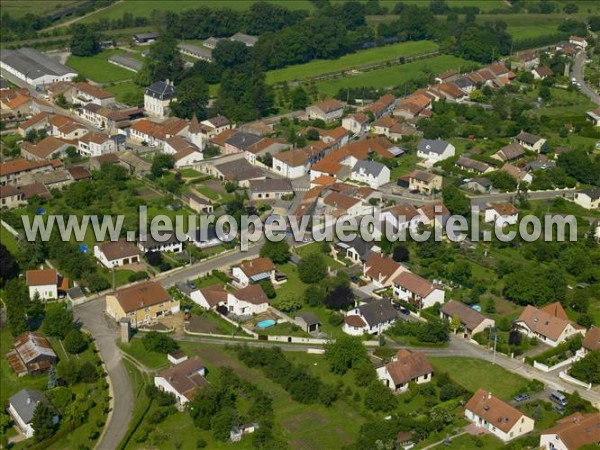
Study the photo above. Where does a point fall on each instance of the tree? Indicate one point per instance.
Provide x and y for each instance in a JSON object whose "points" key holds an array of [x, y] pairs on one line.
{"points": [[9, 268], [345, 353], [230, 54], [84, 41], [312, 134], [364, 373], [502, 181], [299, 98], [58, 321], [88, 372], [587, 369], [222, 423], [68, 371], [456, 202], [278, 252], [312, 268], [164, 62], [594, 23], [75, 341], [340, 297], [571, 8], [544, 93], [155, 259], [461, 272], [267, 287], [289, 302], [43, 422], [158, 342], [160, 163], [455, 324], [314, 295], [192, 98], [400, 253], [379, 397]]}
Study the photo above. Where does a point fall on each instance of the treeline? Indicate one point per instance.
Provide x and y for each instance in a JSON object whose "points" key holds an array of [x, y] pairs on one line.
{"points": [[302, 386]]}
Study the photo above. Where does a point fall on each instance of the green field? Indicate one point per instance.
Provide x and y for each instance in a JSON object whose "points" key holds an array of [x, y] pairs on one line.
{"points": [[472, 374], [127, 90], [9, 241], [97, 68], [18, 8], [351, 61], [396, 75]]}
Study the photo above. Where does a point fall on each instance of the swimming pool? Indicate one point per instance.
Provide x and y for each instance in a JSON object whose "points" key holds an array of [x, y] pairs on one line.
{"points": [[266, 323]]}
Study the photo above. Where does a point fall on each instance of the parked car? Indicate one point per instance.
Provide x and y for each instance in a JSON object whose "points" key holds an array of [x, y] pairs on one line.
{"points": [[559, 409], [521, 397], [405, 311]]}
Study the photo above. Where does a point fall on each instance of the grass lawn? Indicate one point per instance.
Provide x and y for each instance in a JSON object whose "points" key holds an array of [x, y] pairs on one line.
{"points": [[18, 8], [315, 247], [406, 164], [9, 241], [472, 374], [283, 329], [207, 281], [351, 61], [97, 67], [125, 91], [207, 192], [395, 75], [189, 173], [468, 442], [152, 360]]}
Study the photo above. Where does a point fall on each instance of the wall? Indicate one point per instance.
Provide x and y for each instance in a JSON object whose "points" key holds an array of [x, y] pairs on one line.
{"points": [[564, 376]]}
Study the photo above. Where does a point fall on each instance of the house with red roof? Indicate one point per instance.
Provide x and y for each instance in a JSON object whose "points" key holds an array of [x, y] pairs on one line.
{"points": [[404, 368], [416, 290]]}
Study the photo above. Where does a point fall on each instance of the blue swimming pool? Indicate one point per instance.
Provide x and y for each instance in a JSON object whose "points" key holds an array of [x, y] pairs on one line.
{"points": [[266, 323]]}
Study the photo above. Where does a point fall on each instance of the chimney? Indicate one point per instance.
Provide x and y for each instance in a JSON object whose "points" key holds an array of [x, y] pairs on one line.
{"points": [[489, 395], [29, 400]]}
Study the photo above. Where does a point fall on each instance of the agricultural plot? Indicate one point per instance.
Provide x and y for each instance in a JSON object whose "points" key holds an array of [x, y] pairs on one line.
{"points": [[396, 75], [351, 61], [97, 67], [18, 8]]}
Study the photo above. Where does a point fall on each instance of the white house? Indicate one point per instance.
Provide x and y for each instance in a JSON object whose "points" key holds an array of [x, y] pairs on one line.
{"points": [[170, 245], [471, 321], [327, 110], [43, 282], [372, 318], [417, 290], [572, 432], [22, 406], [381, 270], [549, 324], [497, 417], [96, 144], [84, 93], [405, 367], [501, 214], [216, 125], [247, 301], [589, 199], [578, 41], [210, 297], [530, 141], [116, 253], [401, 217], [182, 380], [158, 97], [253, 271], [372, 173], [356, 123], [435, 150]]}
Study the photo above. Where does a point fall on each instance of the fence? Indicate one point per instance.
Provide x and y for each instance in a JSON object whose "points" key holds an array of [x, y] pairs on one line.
{"points": [[10, 229], [565, 376], [545, 368]]}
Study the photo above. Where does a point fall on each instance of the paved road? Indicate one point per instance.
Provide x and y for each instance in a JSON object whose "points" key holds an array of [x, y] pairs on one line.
{"points": [[578, 72]]}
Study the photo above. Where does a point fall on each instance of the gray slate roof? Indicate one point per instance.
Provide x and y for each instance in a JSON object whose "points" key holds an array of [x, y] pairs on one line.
{"points": [[429, 145], [34, 63], [25, 401], [194, 50], [161, 90], [309, 318], [126, 61], [243, 140], [369, 167], [379, 311], [271, 185]]}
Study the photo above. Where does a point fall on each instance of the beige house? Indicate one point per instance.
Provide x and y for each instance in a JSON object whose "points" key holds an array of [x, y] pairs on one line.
{"points": [[10, 197], [549, 324], [404, 368], [424, 182], [142, 303], [572, 432], [472, 321], [497, 417]]}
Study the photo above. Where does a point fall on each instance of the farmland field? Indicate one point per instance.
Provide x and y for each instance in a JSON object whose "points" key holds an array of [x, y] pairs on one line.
{"points": [[18, 8], [354, 60], [396, 75], [97, 68]]}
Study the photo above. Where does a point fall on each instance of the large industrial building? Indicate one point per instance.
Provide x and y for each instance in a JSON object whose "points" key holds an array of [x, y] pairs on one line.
{"points": [[34, 67]]}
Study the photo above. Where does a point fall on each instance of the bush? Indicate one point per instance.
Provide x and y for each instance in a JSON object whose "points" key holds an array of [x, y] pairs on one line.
{"points": [[158, 342], [75, 342]]}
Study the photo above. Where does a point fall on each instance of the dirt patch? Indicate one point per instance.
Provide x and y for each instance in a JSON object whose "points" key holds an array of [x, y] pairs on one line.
{"points": [[146, 194], [304, 421], [215, 186], [200, 324]]}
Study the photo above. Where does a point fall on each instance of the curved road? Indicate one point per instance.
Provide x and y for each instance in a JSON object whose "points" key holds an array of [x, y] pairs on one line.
{"points": [[578, 74]]}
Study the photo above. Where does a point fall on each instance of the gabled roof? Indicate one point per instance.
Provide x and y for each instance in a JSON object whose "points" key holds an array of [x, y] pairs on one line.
{"points": [[341, 201], [25, 402], [380, 268], [591, 341], [543, 322], [424, 176], [271, 185], [31, 346], [214, 295], [329, 105], [243, 140], [142, 295], [93, 91], [41, 277], [369, 167], [46, 147], [471, 164], [504, 209], [408, 366], [257, 266], [253, 293], [469, 318], [577, 430], [414, 283], [528, 138], [8, 190], [510, 152], [21, 165], [377, 312], [498, 413], [118, 249], [430, 145], [185, 377]]}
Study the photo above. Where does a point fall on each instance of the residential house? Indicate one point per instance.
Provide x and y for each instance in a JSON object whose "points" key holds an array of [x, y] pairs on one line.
{"points": [[33, 190], [588, 199], [406, 367], [594, 117], [452, 92], [401, 217], [335, 138], [471, 321], [247, 301], [216, 125], [15, 103], [549, 324], [416, 290], [211, 42], [84, 93], [198, 203], [526, 61], [479, 185], [169, 244], [239, 171], [572, 432], [145, 38], [134, 164], [471, 165], [509, 153], [183, 380], [187, 157], [542, 72], [158, 97], [35, 123], [373, 317], [381, 270], [435, 150], [44, 282], [253, 271], [337, 204], [10, 196], [116, 253], [262, 148], [308, 322], [520, 175], [424, 182], [356, 123], [530, 141], [156, 134], [22, 406], [142, 303], [358, 250], [210, 297], [246, 39], [240, 142], [433, 215], [445, 77], [591, 342], [48, 148], [580, 42], [205, 237], [328, 110], [295, 163], [372, 173], [383, 125], [383, 106], [270, 189], [497, 417], [96, 144], [31, 354], [501, 214]]}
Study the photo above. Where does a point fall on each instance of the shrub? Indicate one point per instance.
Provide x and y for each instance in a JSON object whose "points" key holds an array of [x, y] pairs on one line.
{"points": [[75, 342], [158, 342]]}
